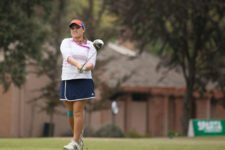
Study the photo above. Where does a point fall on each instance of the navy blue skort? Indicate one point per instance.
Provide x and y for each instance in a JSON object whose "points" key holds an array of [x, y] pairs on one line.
{"points": [[77, 89]]}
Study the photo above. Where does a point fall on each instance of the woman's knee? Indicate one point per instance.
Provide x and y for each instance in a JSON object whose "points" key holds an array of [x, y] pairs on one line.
{"points": [[78, 113]]}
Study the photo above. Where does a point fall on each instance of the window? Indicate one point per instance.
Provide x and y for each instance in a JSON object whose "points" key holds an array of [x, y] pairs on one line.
{"points": [[140, 97]]}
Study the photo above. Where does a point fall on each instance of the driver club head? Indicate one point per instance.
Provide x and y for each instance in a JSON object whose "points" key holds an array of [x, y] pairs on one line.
{"points": [[98, 44]]}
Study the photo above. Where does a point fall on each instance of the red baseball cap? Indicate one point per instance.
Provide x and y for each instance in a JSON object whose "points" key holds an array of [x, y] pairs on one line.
{"points": [[77, 22]]}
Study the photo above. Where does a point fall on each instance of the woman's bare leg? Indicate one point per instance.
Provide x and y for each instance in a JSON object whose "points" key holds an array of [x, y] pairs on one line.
{"points": [[70, 116], [78, 111]]}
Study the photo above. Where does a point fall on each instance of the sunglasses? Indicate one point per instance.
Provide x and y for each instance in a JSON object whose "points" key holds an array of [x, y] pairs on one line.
{"points": [[74, 26]]}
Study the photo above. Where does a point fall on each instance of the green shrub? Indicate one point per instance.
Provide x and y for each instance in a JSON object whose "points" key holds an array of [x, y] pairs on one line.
{"points": [[109, 131], [172, 134], [134, 134]]}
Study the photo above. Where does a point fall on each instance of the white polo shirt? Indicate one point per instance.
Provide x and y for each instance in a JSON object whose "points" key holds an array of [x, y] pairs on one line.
{"points": [[79, 52]]}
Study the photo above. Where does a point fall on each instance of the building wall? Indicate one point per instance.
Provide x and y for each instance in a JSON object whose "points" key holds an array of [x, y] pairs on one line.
{"points": [[202, 108], [161, 114], [21, 118], [217, 111], [104, 117], [155, 116], [35, 118], [179, 114], [137, 117]]}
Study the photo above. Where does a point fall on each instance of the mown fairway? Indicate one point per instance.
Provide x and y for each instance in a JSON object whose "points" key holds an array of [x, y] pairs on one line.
{"points": [[117, 144]]}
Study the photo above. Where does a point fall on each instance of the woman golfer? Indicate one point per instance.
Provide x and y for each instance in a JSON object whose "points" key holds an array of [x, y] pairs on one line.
{"points": [[77, 86]]}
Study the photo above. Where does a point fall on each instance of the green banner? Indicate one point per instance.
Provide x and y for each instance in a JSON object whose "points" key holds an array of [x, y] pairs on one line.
{"points": [[207, 127]]}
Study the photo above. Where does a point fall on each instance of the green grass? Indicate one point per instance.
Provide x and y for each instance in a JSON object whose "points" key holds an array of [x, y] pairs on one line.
{"points": [[116, 144]]}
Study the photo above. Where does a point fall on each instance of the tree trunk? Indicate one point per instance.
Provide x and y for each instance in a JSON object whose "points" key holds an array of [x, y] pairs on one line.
{"points": [[188, 105], [51, 124]]}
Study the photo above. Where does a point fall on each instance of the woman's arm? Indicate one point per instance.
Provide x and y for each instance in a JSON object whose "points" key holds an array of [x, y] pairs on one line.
{"points": [[66, 53], [88, 66], [74, 62]]}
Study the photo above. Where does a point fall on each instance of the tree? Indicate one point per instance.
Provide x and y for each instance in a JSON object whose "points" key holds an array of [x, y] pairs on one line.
{"points": [[190, 32], [20, 39], [49, 64], [96, 17]]}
